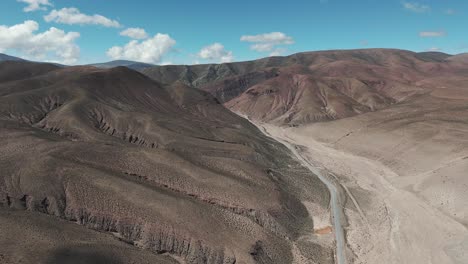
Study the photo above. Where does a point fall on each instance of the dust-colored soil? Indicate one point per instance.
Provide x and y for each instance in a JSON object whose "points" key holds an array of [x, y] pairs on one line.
{"points": [[400, 223], [154, 158], [164, 168]]}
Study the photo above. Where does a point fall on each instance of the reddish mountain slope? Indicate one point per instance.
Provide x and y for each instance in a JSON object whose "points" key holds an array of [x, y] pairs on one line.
{"points": [[319, 86]]}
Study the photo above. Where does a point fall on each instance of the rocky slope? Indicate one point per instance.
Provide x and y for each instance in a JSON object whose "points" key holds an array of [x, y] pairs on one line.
{"points": [[390, 126], [317, 86], [163, 168]]}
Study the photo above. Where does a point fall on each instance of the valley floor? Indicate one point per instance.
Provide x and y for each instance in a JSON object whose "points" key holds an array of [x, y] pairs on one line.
{"points": [[321, 226], [385, 223]]}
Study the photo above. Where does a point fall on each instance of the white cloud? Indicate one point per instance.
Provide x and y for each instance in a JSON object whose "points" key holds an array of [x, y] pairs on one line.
{"points": [[416, 7], [73, 16], [275, 38], [34, 5], [150, 50], [268, 42], [51, 45], [215, 53], [432, 34], [434, 49], [134, 33], [262, 47]]}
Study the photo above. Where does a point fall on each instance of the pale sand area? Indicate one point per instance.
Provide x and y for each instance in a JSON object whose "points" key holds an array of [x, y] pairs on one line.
{"points": [[407, 205]]}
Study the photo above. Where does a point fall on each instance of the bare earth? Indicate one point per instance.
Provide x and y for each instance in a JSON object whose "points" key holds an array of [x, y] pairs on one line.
{"points": [[109, 166], [397, 225], [153, 166]]}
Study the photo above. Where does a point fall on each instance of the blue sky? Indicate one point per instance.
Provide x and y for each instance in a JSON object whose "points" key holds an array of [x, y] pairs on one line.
{"points": [[187, 31]]}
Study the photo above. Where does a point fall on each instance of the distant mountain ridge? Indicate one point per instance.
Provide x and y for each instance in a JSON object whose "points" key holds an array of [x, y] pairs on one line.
{"points": [[5, 57], [134, 65], [316, 86], [311, 86]]}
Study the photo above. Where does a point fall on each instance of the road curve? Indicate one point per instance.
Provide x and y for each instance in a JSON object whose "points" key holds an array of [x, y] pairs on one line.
{"points": [[335, 203]]}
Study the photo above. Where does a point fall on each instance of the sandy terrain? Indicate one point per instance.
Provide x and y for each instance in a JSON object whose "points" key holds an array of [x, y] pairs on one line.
{"points": [[336, 203], [396, 225]]}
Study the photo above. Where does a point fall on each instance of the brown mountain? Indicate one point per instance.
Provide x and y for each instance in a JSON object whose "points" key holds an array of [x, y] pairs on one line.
{"points": [[155, 169], [166, 169], [389, 126], [318, 86]]}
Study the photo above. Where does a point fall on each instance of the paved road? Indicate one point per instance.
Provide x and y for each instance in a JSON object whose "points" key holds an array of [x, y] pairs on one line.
{"points": [[337, 213]]}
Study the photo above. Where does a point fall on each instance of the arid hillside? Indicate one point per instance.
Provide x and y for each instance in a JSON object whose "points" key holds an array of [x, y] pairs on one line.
{"points": [[165, 169], [158, 166], [389, 126], [321, 86]]}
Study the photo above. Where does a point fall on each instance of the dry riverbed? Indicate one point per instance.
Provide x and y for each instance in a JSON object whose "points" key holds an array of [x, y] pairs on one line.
{"points": [[385, 223]]}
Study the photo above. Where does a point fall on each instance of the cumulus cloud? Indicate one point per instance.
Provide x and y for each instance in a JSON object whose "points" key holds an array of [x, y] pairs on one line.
{"points": [[432, 34], [150, 50], [270, 38], [73, 16], [34, 5], [215, 53], [434, 49], [52, 45], [262, 47], [268, 42], [416, 7], [134, 33]]}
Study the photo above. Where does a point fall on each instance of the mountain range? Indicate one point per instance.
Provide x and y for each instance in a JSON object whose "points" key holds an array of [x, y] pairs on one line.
{"points": [[161, 164]]}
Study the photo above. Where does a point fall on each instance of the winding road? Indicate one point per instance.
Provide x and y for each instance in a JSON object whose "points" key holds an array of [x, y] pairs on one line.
{"points": [[335, 203]]}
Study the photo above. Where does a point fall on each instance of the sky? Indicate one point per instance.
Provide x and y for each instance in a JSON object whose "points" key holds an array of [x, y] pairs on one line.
{"points": [[192, 32]]}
